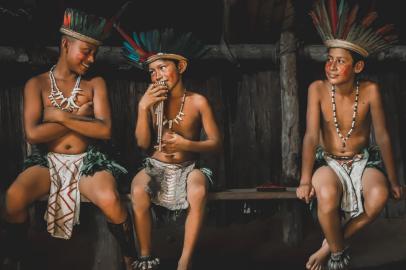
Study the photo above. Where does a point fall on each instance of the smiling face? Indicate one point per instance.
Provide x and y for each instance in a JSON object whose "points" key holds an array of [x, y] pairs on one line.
{"points": [[80, 55], [340, 67], [166, 70]]}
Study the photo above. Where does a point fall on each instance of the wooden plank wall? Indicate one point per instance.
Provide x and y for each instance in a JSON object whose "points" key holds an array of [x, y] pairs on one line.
{"points": [[246, 104], [247, 112]]}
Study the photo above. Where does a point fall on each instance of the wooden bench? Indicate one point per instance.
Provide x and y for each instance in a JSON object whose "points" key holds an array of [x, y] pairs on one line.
{"points": [[233, 194], [251, 194]]}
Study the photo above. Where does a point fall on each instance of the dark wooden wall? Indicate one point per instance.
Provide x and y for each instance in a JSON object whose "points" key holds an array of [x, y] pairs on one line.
{"points": [[246, 102]]}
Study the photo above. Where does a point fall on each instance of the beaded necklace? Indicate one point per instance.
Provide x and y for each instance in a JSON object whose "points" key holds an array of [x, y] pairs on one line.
{"points": [[354, 114], [57, 94], [179, 116]]}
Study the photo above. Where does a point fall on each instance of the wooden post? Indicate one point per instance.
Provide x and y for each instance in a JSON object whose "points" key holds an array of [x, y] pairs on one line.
{"points": [[112, 56], [292, 229]]}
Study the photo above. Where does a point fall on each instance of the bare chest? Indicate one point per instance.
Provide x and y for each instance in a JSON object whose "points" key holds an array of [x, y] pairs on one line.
{"points": [[66, 94], [345, 112], [184, 121]]}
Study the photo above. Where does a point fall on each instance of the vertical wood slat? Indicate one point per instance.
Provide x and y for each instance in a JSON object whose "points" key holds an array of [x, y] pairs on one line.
{"points": [[253, 118], [11, 133], [391, 94], [292, 229]]}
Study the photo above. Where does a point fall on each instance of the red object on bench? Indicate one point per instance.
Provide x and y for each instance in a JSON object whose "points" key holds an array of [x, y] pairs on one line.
{"points": [[270, 187]]}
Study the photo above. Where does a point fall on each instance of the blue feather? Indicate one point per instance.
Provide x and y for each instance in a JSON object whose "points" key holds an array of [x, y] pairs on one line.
{"points": [[136, 39]]}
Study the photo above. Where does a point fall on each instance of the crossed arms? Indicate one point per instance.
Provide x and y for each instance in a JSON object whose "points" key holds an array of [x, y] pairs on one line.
{"points": [[44, 125]]}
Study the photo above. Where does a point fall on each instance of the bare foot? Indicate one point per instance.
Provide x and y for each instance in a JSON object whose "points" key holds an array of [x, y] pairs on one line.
{"points": [[184, 265], [318, 259]]}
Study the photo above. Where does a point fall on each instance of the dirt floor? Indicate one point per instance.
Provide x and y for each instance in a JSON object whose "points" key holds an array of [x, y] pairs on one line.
{"points": [[255, 244]]}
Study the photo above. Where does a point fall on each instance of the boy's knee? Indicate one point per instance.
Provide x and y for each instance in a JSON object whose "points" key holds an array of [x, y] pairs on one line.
{"points": [[140, 197], [327, 193], [197, 193], [376, 201], [379, 194], [139, 192], [107, 199], [327, 199], [15, 200]]}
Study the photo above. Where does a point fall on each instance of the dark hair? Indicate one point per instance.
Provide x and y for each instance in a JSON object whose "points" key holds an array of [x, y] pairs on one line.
{"points": [[356, 57]]}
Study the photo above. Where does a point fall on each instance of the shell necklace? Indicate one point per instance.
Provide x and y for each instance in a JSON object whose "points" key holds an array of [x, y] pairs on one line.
{"points": [[354, 114], [57, 94], [178, 116]]}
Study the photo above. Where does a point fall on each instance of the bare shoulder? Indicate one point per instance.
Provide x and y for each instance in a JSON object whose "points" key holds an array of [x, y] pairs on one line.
{"points": [[97, 84], [316, 88], [198, 100], [96, 81], [370, 92], [36, 83], [371, 89]]}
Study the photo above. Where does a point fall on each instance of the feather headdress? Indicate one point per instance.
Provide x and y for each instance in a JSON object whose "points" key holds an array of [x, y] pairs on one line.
{"points": [[339, 27], [146, 47], [85, 27]]}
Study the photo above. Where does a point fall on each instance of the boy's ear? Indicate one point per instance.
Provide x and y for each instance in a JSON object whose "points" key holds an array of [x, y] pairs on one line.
{"points": [[182, 65], [65, 43], [359, 66]]}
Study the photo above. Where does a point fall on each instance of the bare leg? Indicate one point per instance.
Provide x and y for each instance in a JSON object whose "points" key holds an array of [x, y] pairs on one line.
{"points": [[101, 190], [328, 191], [375, 193], [196, 195], [141, 203], [30, 185]]}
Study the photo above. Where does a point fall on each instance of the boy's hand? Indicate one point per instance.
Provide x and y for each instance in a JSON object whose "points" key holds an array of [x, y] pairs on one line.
{"points": [[305, 192], [52, 114], [173, 142], [154, 94], [396, 191], [86, 109]]}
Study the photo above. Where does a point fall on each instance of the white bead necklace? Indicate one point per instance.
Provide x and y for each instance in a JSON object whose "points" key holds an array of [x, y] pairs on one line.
{"points": [[57, 94], [178, 117], [354, 114]]}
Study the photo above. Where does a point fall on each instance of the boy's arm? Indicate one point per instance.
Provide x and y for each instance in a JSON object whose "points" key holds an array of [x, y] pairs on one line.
{"points": [[98, 127], [310, 142], [383, 139], [35, 130], [143, 127], [212, 142]]}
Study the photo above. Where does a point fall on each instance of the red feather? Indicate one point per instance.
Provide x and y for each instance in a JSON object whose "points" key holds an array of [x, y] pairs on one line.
{"points": [[369, 19], [314, 17], [115, 17], [350, 21], [333, 15], [143, 54], [385, 29], [390, 38]]}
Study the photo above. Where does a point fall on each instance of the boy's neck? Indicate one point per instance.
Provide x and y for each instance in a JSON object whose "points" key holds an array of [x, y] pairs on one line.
{"points": [[177, 91], [346, 88], [62, 71]]}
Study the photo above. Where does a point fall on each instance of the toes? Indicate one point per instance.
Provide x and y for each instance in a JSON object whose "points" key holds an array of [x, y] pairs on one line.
{"points": [[309, 264]]}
